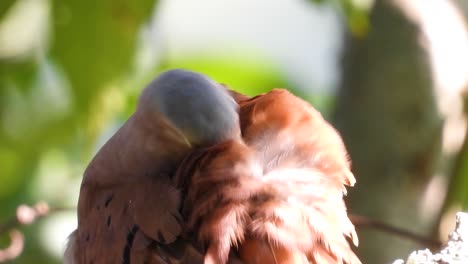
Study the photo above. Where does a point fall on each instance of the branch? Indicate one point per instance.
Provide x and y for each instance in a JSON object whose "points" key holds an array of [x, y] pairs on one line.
{"points": [[362, 221], [455, 252], [15, 248], [25, 215]]}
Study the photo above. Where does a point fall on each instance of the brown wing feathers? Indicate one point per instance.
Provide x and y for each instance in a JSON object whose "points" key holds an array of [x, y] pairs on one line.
{"points": [[274, 195]]}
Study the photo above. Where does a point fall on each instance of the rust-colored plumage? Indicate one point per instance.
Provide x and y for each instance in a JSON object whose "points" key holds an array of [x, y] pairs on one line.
{"points": [[192, 177], [276, 194]]}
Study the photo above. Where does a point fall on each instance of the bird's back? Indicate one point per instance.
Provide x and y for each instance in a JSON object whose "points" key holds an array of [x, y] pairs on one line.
{"points": [[276, 194]]}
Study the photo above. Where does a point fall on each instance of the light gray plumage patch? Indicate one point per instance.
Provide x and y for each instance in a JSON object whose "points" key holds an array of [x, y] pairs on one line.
{"points": [[178, 94]]}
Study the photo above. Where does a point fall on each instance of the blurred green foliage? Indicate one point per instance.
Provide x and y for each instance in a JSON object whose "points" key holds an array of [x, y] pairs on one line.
{"points": [[51, 91], [62, 94]]}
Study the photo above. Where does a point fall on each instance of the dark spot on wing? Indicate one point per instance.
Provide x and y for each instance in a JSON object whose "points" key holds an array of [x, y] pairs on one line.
{"points": [[161, 237], [177, 218], [108, 200], [87, 237], [128, 246], [175, 249], [156, 247], [109, 220]]}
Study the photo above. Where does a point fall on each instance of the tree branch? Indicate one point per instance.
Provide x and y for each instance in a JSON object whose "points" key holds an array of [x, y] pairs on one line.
{"points": [[363, 222], [25, 215]]}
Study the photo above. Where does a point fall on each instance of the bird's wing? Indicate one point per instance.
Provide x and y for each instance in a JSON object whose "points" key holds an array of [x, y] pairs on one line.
{"points": [[127, 199], [128, 209]]}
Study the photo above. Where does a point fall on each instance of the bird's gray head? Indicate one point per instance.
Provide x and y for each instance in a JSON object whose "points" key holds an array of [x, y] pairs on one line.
{"points": [[201, 109]]}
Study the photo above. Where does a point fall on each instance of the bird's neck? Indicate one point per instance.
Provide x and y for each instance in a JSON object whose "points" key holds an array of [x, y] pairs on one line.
{"points": [[138, 149]]}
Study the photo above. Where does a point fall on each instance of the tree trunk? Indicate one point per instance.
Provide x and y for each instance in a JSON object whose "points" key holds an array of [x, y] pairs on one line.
{"points": [[387, 114]]}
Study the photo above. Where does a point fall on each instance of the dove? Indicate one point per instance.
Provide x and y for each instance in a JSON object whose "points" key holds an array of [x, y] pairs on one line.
{"points": [[275, 193], [128, 208], [194, 177]]}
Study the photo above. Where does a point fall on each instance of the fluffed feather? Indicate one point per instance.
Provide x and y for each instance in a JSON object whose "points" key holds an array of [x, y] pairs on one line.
{"points": [[277, 192]]}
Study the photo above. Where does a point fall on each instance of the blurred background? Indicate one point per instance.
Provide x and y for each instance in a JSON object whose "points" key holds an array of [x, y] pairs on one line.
{"points": [[391, 75]]}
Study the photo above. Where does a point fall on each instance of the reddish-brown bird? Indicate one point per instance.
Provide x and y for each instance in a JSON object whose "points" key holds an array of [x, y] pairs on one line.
{"points": [[193, 177], [274, 194], [128, 209]]}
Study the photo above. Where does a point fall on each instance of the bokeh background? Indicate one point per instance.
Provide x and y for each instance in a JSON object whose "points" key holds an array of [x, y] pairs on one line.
{"points": [[391, 75]]}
